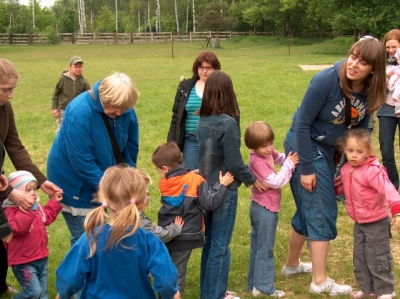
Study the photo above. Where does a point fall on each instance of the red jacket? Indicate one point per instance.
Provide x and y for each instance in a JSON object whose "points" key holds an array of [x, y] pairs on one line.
{"points": [[29, 242], [369, 193]]}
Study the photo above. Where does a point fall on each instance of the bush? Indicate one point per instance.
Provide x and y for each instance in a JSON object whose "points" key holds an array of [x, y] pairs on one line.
{"points": [[51, 35]]}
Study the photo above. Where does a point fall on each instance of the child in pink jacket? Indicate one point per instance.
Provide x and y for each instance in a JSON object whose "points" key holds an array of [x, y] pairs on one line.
{"points": [[369, 193], [265, 206], [27, 251]]}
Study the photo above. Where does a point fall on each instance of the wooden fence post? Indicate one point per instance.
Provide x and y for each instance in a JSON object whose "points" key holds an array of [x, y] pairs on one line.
{"points": [[115, 35], [10, 38], [131, 37], [73, 38]]}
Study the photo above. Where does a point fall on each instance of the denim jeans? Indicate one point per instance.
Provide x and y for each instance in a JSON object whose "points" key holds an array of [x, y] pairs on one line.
{"points": [[216, 255], [191, 151], [75, 226], [262, 263], [387, 131], [317, 211], [33, 279]]}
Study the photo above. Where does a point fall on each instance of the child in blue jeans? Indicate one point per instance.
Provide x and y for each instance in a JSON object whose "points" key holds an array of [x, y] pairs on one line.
{"points": [[27, 251], [265, 205]]}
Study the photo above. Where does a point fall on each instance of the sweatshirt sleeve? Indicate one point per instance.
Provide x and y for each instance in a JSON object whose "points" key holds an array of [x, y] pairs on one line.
{"points": [[210, 197], [51, 210], [165, 234], [278, 180], [56, 94], [5, 228], [20, 222]]}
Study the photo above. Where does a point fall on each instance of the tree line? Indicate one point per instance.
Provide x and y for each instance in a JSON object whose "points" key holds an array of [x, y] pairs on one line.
{"points": [[282, 17]]}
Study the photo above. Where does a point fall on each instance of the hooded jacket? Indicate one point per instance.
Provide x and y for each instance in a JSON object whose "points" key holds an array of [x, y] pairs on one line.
{"points": [[67, 89], [186, 194], [368, 191], [82, 150], [5, 228], [29, 242]]}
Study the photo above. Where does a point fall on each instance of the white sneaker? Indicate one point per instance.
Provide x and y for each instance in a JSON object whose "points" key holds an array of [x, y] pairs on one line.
{"points": [[387, 296], [301, 268], [331, 287], [277, 294]]}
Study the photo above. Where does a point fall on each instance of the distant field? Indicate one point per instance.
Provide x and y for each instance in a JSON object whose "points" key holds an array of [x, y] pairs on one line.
{"points": [[269, 85]]}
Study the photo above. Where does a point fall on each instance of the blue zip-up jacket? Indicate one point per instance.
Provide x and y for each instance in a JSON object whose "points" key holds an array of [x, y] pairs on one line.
{"points": [[121, 271], [82, 150], [321, 115], [219, 139]]}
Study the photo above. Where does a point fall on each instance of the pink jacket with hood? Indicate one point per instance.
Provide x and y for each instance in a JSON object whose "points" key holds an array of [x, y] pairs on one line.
{"points": [[368, 191]]}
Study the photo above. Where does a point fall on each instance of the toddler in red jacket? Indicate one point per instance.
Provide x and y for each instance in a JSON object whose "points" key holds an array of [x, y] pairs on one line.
{"points": [[27, 251]]}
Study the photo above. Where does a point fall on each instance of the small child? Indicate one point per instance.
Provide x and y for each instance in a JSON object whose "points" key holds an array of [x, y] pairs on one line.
{"points": [[369, 193], [393, 84], [115, 256], [70, 85], [187, 194], [259, 138], [27, 251], [165, 234]]}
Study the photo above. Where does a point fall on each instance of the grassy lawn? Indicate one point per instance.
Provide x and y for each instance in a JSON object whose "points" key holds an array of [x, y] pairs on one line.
{"points": [[269, 85]]}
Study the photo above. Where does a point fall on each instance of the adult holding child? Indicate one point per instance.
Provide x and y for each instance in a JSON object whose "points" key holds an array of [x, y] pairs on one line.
{"points": [[82, 149], [187, 102], [341, 96], [17, 153], [388, 121]]}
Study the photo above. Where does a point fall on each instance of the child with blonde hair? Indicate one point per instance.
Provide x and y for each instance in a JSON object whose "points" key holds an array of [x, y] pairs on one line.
{"points": [[369, 194], [265, 205], [115, 256]]}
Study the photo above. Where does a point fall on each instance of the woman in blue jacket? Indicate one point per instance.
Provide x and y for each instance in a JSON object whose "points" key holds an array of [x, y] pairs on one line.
{"points": [[82, 149]]}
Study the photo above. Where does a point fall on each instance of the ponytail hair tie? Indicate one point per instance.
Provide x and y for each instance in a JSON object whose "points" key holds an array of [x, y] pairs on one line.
{"points": [[104, 204], [133, 200]]}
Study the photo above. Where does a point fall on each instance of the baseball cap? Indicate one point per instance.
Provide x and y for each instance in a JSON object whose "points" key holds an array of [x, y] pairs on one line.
{"points": [[75, 59]]}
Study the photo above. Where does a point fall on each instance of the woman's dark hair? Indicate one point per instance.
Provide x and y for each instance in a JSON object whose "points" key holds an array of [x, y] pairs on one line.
{"points": [[218, 95], [208, 57]]}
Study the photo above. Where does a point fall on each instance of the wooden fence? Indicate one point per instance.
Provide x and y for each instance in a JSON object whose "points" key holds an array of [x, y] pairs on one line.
{"points": [[121, 38]]}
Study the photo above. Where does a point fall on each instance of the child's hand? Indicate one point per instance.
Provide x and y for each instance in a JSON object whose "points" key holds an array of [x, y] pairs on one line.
{"points": [[179, 221], [7, 238], [337, 181], [58, 196], [3, 182], [396, 222], [260, 186], [54, 112], [226, 179], [177, 295], [294, 157]]}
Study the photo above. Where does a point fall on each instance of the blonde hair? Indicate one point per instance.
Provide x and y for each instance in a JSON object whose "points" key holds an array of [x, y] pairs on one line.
{"points": [[257, 134], [118, 91], [7, 71], [121, 188], [372, 52]]}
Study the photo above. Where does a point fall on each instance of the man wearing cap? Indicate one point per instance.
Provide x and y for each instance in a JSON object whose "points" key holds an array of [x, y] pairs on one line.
{"points": [[70, 85]]}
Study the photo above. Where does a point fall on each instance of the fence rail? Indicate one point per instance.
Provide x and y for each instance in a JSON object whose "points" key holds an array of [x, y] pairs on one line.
{"points": [[121, 38]]}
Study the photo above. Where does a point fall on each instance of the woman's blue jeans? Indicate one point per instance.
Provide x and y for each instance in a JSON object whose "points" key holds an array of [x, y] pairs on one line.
{"points": [[387, 131], [216, 255], [262, 262], [191, 151], [33, 279], [75, 226]]}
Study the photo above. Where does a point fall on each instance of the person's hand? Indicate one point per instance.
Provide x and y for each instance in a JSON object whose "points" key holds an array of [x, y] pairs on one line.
{"points": [[294, 157], [396, 222], [58, 196], [337, 181], [196, 171], [3, 182], [8, 238], [308, 181], [390, 74], [177, 295], [179, 221], [226, 179], [21, 199], [50, 188], [54, 112], [260, 186]]}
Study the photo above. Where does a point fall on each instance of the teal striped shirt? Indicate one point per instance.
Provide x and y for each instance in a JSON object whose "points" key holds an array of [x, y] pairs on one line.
{"points": [[193, 105]]}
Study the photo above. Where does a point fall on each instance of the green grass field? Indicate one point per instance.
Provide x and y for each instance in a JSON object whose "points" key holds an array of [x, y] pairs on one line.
{"points": [[269, 85]]}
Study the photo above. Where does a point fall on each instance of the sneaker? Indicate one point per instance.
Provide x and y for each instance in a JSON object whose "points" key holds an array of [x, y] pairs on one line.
{"points": [[277, 294], [231, 297], [361, 294], [301, 268], [331, 287], [387, 296]]}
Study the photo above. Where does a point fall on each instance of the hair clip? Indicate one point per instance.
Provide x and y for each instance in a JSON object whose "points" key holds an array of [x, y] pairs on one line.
{"points": [[133, 200], [104, 204]]}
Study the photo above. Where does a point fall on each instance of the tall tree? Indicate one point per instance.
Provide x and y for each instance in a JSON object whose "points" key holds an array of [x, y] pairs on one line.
{"points": [[158, 16], [82, 16], [176, 17]]}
